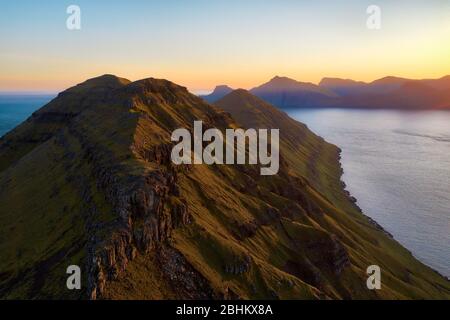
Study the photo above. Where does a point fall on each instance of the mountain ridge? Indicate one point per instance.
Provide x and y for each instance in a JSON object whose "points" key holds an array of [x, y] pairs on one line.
{"points": [[88, 180], [389, 92]]}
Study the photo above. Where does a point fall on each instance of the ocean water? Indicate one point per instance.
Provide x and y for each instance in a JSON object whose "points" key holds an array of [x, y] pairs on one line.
{"points": [[16, 108], [397, 164]]}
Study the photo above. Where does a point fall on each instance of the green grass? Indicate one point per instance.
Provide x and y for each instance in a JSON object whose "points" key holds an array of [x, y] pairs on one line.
{"points": [[53, 191]]}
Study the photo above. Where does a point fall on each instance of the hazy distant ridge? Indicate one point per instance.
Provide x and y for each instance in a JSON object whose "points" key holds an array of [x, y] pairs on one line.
{"points": [[385, 93]]}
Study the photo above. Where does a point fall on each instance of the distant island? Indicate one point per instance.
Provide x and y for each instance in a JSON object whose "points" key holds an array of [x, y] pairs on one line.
{"points": [[385, 93]]}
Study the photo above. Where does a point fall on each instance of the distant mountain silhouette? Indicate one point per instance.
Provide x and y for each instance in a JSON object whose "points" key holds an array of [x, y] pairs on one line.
{"points": [[342, 87], [350, 87], [218, 93], [439, 84], [287, 93], [385, 93]]}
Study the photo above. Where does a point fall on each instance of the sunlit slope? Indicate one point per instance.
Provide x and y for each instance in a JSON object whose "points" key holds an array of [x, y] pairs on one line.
{"points": [[95, 186], [310, 156]]}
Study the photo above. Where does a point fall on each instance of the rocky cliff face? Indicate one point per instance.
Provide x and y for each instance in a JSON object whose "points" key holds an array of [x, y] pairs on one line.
{"points": [[88, 180]]}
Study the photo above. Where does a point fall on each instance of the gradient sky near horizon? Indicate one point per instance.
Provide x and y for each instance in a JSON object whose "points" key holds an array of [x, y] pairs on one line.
{"points": [[201, 43]]}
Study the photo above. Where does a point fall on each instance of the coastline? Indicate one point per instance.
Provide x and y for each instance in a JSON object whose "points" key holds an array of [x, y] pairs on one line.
{"points": [[372, 221]]}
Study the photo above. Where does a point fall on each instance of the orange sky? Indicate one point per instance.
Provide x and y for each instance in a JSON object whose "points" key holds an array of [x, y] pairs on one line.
{"points": [[205, 44]]}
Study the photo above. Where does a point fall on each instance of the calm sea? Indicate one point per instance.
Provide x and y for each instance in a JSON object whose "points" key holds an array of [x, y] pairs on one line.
{"points": [[16, 108], [397, 164]]}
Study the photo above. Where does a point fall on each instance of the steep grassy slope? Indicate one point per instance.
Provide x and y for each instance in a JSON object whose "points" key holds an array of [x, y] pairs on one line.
{"points": [[88, 180], [308, 155], [323, 171]]}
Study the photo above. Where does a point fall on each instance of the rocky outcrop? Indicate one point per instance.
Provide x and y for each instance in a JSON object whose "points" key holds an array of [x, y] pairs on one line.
{"points": [[145, 225], [328, 253], [183, 278], [238, 265]]}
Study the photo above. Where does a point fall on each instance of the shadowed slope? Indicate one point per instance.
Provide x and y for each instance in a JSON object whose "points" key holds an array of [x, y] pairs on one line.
{"points": [[218, 93]]}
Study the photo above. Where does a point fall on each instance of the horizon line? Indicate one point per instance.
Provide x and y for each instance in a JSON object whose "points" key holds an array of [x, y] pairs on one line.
{"points": [[211, 89]]}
